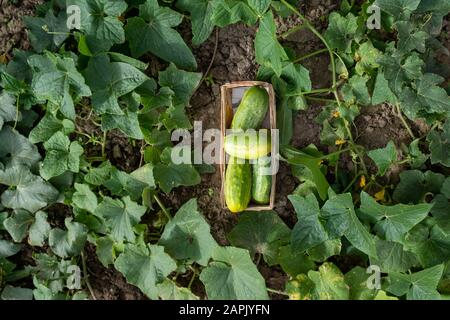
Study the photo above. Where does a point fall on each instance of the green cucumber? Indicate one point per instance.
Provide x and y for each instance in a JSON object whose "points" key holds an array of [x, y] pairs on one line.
{"points": [[238, 185], [261, 182], [248, 145], [252, 110]]}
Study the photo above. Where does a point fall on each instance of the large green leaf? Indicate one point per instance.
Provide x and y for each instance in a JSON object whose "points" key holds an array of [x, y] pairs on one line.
{"points": [[341, 31], [392, 222], [410, 38], [8, 110], [48, 126], [269, 52], [17, 224], [70, 242], [117, 79], [417, 286], [260, 232], [15, 149], [84, 198], [201, 13], [294, 262], [120, 217], [173, 175], [392, 257], [145, 267], [57, 80], [399, 70], [400, 9], [62, 155], [153, 32], [99, 19], [28, 191], [421, 183], [187, 236], [440, 145], [232, 275]]}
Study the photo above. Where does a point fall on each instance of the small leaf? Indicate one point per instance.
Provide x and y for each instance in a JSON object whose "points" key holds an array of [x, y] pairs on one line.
{"points": [[399, 9], [68, 243], [17, 224], [384, 157], [341, 31], [39, 230], [440, 145], [84, 198]]}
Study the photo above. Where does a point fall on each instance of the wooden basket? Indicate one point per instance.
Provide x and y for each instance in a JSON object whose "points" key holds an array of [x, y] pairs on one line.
{"points": [[225, 121]]}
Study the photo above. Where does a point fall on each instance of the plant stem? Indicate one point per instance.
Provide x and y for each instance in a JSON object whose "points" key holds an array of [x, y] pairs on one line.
{"points": [[315, 91], [105, 135], [278, 292], [86, 276], [216, 46], [17, 112], [335, 153], [321, 99], [405, 124], [291, 31], [194, 275], [352, 182], [163, 208], [309, 55]]}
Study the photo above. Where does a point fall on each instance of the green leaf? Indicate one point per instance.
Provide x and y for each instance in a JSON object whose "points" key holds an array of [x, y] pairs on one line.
{"points": [[84, 198], [99, 19], [155, 26], [8, 249], [261, 232], [355, 91], [17, 224], [269, 52], [98, 176], [409, 38], [232, 11], [294, 262], [384, 157], [57, 80], [260, 6], [48, 32], [123, 184], [427, 97], [118, 79], [201, 13], [392, 222], [128, 123], [298, 157], [39, 229], [233, 276], [421, 183], [285, 122], [440, 145], [399, 71], [329, 283], [381, 92], [28, 191], [62, 155], [145, 267], [182, 83], [418, 158], [399, 9], [392, 257], [16, 293], [366, 56], [310, 229], [48, 126], [187, 236], [105, 251], [68, 243], [356, 279], [417, 286], [326, 249], [120, 217], [173, 175], [15, 149], [168, 290], [341, 31], [8, 110]]}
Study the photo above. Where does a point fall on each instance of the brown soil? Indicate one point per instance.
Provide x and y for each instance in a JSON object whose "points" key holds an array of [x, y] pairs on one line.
{"points": [[234, 61]]}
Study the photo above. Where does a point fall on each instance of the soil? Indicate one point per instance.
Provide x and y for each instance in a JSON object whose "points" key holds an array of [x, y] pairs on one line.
{"points": [[233, 61]]}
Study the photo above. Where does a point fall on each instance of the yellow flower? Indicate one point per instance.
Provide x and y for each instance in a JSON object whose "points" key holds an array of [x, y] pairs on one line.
{"points": [[362, 181], [336, 114], [379, 196], [339, 142]]}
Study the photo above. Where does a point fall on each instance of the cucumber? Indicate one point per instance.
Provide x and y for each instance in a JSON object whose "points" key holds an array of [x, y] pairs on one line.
{"points": [[252, 110], [248, 145], [261, 183], [238, 185]]}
